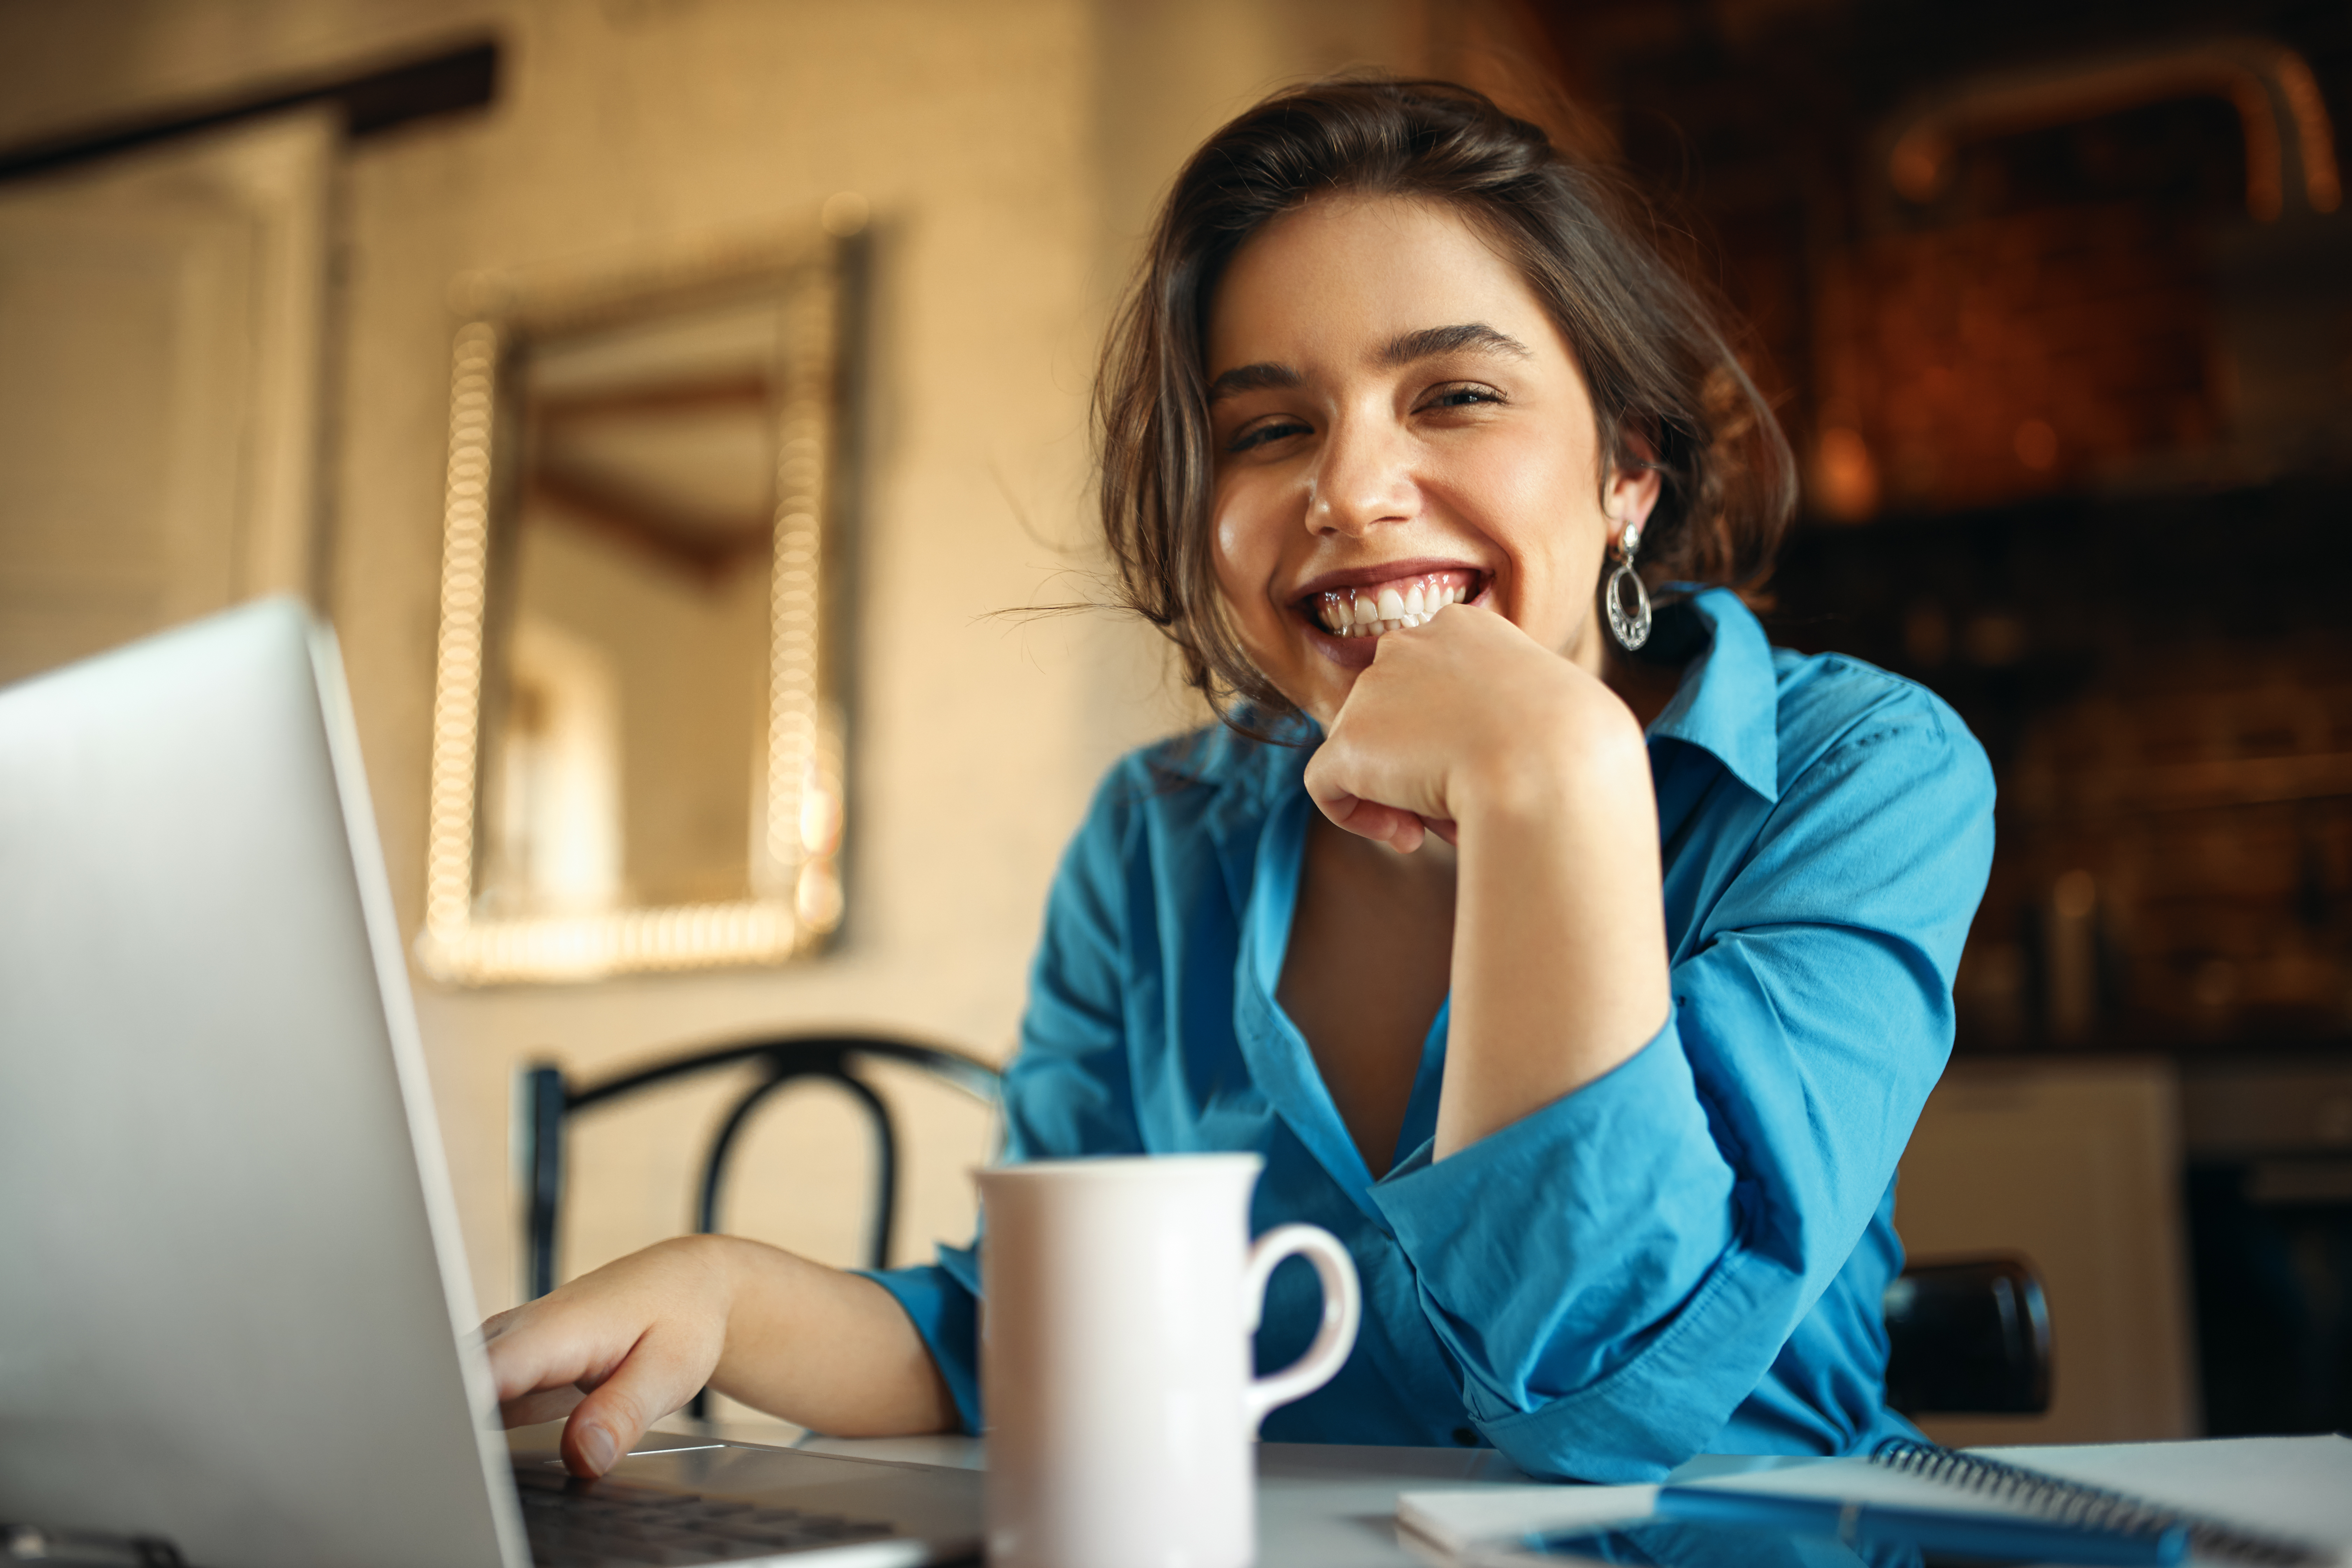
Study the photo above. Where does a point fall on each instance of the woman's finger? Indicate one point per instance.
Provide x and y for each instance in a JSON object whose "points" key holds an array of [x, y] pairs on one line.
{"points": [[1400, 830], [659, 1374], [545, 1404], [536, 1349]]}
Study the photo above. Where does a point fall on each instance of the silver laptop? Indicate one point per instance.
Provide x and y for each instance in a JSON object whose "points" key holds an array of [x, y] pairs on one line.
{"points": [[235, 1314]]}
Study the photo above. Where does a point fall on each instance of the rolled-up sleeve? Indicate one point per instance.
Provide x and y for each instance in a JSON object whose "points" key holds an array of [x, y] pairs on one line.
{"points": [[1616, 1272], [1625, 1166], [942, 1301]]}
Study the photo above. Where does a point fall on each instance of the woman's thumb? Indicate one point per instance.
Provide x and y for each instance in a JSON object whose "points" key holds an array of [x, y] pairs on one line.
{"points": [[653, 1380]]}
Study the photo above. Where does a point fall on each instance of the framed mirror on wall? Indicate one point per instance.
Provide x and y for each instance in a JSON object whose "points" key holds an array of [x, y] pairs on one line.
{"points": [[638, 750]]}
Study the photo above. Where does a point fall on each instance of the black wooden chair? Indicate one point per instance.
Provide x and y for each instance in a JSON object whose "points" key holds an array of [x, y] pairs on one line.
{"points": [[550, 1101], [1968, 1336]]}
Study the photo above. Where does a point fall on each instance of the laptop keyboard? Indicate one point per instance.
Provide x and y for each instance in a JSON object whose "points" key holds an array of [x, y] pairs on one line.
{"points": [[611, 1524]]}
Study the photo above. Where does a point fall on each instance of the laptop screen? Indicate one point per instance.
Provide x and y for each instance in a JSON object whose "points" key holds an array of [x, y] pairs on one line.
{"points": [[233, 1292]]}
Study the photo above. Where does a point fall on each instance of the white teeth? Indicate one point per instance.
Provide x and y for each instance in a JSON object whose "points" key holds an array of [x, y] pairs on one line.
{"points": [[1350, 614]]}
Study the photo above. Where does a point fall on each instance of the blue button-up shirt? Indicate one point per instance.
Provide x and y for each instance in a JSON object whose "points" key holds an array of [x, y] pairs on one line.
{"points": [[1684, 1255]]}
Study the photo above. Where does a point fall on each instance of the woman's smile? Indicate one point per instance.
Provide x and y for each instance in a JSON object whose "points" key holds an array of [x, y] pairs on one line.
{"points": [[1379, 601], [1347, 612]]}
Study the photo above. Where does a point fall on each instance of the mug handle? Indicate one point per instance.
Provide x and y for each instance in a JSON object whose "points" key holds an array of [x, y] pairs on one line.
{"points": [[1342, 1309]]}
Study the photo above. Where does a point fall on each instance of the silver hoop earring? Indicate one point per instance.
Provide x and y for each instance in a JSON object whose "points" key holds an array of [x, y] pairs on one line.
{"points": [[1631, 630]]}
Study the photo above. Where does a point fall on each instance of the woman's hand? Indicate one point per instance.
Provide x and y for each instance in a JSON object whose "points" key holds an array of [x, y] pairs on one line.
{"points": [[625, 1346], [1540, 776], [1467, 706], [616, 1349]]}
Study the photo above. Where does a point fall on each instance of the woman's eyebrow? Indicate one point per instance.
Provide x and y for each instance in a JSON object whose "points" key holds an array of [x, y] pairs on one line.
{"points": [[1252, 378], [1428, 342], [1431, 340]]}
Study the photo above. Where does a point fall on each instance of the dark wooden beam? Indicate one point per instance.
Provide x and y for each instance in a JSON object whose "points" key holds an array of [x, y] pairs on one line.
{"points": [[463, 76]]}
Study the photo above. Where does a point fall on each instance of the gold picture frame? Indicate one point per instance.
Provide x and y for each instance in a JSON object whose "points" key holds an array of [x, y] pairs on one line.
{"points": [[797, 897]]}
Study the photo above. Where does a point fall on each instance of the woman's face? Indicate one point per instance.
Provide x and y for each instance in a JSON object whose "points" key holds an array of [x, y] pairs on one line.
{"points": [[1394, 414]]}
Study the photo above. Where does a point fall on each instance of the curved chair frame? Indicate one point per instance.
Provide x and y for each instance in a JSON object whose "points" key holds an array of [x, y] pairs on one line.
{"points": [[551, 1100]]}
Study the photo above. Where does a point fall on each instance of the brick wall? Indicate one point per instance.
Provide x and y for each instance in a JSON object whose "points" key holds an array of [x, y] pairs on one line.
{"points": [[2011, 356]]}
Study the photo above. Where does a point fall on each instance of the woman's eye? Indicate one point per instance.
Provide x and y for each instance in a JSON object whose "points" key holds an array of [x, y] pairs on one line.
{"points": [[1260, 435], [1462, 397]]}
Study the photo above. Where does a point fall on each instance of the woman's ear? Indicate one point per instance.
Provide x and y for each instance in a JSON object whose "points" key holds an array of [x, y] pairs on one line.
{"points": [[1633, 487]]}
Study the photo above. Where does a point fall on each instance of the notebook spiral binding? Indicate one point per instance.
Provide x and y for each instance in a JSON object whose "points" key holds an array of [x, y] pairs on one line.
{"points": [[2090, 1507]]}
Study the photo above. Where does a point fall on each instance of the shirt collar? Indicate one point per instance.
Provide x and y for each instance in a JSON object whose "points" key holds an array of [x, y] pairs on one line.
{"points": [[1728, 702], [1250, 778]]}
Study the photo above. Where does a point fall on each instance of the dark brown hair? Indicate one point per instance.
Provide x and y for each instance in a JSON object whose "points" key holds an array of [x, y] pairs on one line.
{"points": [[1654, 355]]}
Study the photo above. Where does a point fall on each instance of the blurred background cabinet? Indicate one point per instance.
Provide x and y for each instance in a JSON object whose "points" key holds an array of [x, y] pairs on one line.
{"points": [[2075, 1167]]}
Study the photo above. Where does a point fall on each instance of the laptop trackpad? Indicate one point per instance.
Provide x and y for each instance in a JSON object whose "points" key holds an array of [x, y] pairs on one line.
{"points": [[934, 1503]]}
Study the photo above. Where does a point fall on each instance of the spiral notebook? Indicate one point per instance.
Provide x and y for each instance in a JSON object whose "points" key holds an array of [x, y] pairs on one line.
{"points": [[2244, 1500]]}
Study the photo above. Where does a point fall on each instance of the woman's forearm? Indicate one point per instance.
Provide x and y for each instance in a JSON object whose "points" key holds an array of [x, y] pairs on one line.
{"points": [[1559, 956], [1558, 965], [823, 1349]]}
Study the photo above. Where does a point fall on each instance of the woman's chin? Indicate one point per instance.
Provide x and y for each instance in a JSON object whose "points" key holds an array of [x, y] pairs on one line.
{"points": [[1319, 684]]}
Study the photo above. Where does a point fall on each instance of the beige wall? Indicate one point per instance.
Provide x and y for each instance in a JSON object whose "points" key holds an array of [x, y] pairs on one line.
{"points": [[1011, 150]]}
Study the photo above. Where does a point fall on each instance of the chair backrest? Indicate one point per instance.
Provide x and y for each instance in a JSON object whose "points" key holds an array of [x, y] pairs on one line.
{"points": [[550, 1101], [1968, 1336]]}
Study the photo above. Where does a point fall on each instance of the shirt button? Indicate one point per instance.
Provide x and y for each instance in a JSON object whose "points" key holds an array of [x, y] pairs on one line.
{"points": [[1466, 1437]]}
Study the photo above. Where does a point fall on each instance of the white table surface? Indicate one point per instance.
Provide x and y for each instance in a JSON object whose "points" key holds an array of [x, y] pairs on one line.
{"points": [[1331, 1506], [1321, 1505]]}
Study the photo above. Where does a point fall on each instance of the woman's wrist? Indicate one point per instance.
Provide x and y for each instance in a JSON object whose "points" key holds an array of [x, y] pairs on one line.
{"points": [[1573, 752]]}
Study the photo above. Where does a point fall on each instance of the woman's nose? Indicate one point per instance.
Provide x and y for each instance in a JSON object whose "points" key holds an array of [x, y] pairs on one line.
{"points": [[1364, 479]]}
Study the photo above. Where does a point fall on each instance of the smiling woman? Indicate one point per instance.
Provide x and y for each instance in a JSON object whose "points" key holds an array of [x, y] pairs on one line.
{"points": [[1401, 410], [1589, 998]]}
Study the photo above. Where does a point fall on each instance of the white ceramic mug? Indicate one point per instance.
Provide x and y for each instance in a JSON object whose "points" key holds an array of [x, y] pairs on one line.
{"points": [[1118, 1299]]}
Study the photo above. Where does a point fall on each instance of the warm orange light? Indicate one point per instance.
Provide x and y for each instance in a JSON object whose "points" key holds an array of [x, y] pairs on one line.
{"points": [[2037, 445], [1845, 476]]}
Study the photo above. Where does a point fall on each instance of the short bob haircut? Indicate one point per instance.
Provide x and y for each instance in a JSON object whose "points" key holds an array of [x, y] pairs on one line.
{"points": [[1656, 359]]}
